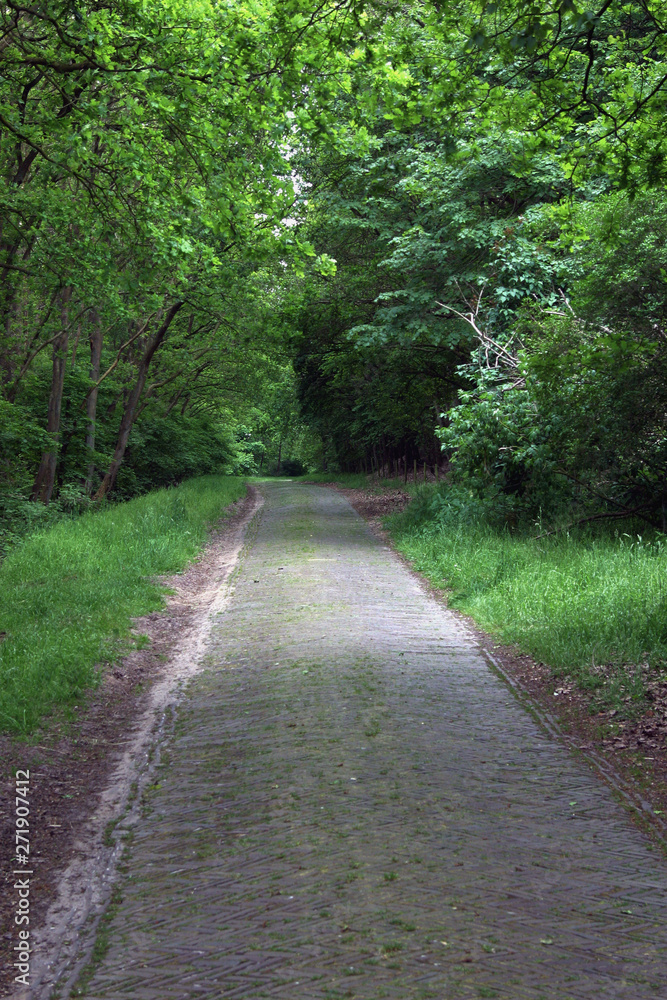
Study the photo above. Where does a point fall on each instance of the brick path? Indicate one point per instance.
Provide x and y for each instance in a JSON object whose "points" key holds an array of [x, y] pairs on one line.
{"points": [[353, 805]]}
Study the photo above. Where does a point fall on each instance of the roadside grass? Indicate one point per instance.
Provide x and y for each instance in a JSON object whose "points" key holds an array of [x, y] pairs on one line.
{"points": [[68, 593], [593, 607], [351, 480], [362, 481]]}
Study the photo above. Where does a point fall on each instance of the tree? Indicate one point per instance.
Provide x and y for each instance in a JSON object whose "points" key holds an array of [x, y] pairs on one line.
{"points": [[144, 177]]}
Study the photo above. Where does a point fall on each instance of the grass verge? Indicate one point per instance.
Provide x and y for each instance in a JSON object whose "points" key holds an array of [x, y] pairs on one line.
{"points": [[69, 593], [594, 608], [362, 481], [351, 480]]}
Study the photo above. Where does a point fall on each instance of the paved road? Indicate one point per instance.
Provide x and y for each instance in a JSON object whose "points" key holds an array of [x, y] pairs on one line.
{"points": [[353, 805]]}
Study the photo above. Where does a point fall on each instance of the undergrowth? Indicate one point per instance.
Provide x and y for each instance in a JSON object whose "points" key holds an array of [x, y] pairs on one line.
{"points": [[592, 606], [21, 516], [68, 592]]}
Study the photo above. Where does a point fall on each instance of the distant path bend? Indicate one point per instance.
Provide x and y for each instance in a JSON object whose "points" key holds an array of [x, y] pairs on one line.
{"points": [[354, 806]]}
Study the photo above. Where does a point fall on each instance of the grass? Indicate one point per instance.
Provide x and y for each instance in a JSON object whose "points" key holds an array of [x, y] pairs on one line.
{"points": [[594, 608], [362, 481], [69, 592], [352, 480]]}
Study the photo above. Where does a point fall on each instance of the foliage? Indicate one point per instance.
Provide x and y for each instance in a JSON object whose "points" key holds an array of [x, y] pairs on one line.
{"points": [[22, 440], [20, 516], [569, 416], [500, 445], [495, 238], [344, 235], [144, 185]]}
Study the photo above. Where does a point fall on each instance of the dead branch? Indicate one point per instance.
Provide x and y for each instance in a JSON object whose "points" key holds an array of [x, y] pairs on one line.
{"points": [[491, 347]]}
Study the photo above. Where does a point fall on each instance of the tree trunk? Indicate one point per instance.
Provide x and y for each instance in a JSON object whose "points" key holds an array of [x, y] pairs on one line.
{"points": [[280, 451], [95, 340], [46, 474], [76, 342], [131, 405], [5, 355], [173, 401], [8, 294]]}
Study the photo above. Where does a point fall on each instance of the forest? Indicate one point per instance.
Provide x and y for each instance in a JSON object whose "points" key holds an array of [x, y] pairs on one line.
{"points": [[413, 251], [255, 237], [411, 242]]}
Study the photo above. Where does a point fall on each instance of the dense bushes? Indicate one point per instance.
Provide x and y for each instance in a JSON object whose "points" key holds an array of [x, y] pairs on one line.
{"points": [[163, 450], [565, 412]]}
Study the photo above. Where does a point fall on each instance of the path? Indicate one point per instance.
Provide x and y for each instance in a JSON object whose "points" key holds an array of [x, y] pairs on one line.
{"points": [[353, 805]]}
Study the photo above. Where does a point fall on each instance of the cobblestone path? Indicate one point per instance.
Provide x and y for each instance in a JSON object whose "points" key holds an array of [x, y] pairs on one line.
{"points": [[353, 805]]}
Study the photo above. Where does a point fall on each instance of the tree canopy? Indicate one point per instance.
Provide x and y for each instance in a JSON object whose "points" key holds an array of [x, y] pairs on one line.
{"points": [[239, 234]]}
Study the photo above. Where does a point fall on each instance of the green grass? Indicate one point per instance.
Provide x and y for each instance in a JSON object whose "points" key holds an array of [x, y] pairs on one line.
{"points": [[361, 481], [69, 592], [592, 608], [352, 480]]}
